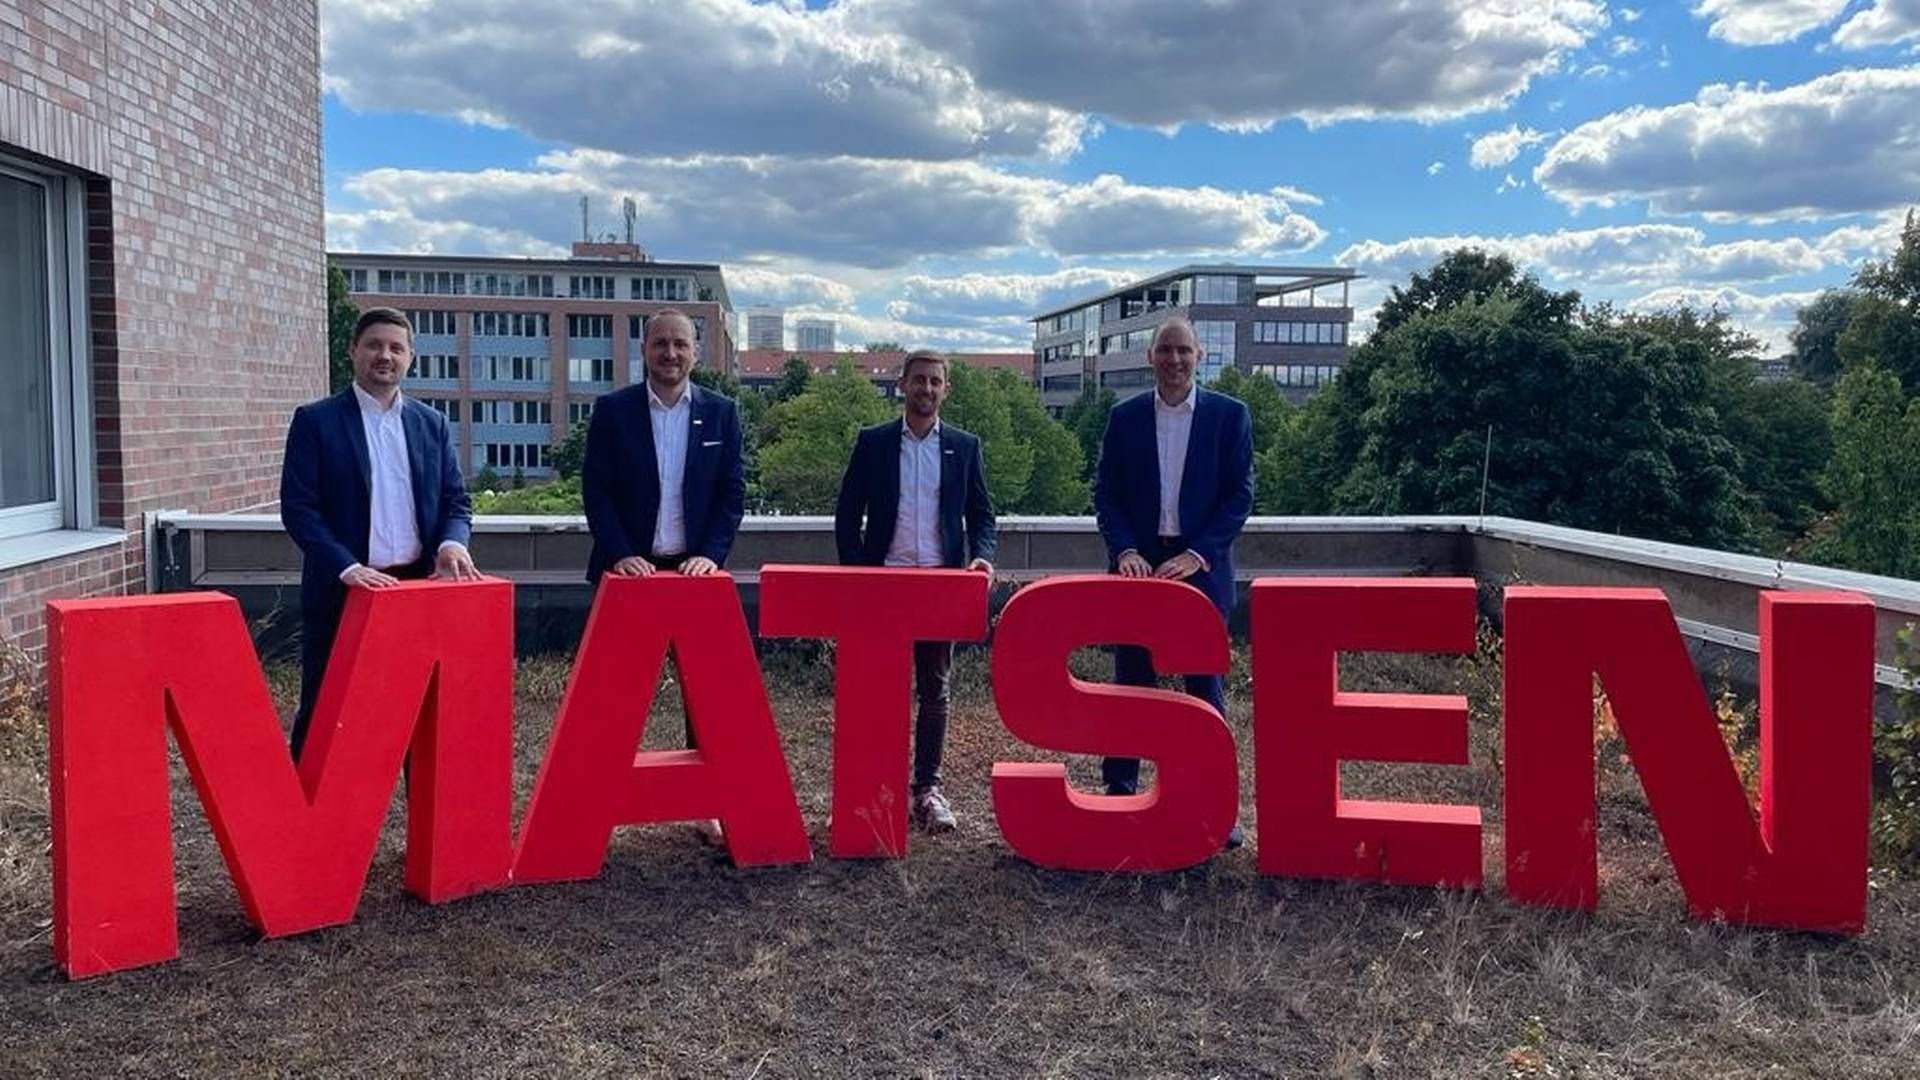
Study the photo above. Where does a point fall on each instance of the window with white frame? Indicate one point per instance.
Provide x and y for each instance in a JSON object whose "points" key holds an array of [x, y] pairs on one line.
{"points": [[45, 452]]}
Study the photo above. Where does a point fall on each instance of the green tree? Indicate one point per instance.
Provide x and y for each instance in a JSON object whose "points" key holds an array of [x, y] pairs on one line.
{"points": [[559, 497], [884, 346], [1265, 403], [1057, 483], [794, 379], [1876, 456], [571, 453], [1087, 419], [485, 480], [979, 405], [1816, 335], [717, 381], [1606, 427], [342, 314], [1469, 273], [1884, 326], [809, 438]]}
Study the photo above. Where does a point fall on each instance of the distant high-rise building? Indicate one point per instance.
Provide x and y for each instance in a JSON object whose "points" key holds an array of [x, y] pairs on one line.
{"points": [[813, 335], [766, 328]]}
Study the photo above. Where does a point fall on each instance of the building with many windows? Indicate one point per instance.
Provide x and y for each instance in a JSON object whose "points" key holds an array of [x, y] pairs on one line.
{"points": [[1286, 323], [766, 328], [813, 335], [514, 351]]}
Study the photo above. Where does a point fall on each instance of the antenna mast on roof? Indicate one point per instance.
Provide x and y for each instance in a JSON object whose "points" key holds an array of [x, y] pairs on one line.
{"points": [[631, 211], [586, 233]]}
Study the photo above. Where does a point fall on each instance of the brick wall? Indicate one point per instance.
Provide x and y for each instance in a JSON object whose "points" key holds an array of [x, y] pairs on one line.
{"points": [[197, 123]]}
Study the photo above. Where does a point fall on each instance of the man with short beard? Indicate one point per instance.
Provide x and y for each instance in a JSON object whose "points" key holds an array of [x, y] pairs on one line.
{"points": [[915, 494], [370, 490], [1173, 488]]}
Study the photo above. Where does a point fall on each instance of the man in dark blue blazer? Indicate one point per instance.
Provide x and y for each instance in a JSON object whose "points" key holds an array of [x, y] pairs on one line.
{"points": [[663, 480], [370, 490], [915, 494], [1173, 489]]}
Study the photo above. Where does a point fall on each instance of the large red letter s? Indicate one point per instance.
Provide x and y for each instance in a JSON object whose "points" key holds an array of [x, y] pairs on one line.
{"points": [[1805, 866], [1185, 817], [426, 663]]}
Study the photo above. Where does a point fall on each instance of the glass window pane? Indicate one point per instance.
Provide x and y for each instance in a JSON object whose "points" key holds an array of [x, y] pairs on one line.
{"points": [[26, 361]]}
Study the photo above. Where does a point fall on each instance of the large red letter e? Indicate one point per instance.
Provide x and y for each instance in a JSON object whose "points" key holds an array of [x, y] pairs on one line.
{"points": [[1185, 817]]}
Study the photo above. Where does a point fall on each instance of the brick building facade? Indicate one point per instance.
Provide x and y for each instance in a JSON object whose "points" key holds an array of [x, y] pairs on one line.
{"points": [[163, 280]]}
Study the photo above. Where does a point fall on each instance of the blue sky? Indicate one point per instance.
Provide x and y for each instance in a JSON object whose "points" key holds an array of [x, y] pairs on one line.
{"points": [[935, 171]]}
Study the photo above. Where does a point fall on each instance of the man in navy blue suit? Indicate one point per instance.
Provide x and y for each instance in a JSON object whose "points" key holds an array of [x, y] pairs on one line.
{"points": [[915, 494], [370, 490], [1173, 488], [663, 481]]}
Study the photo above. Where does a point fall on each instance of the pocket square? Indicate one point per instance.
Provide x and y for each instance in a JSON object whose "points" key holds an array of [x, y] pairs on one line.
{"points": [[710, 442]]}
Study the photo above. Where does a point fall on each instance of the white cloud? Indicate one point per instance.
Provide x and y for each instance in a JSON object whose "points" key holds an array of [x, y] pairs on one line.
{"points": [[1436, 168], [965, 299], [1841, 143], [640, 77], [851, 211], [1887, 22], [752, 285], [1497, 148], [1767, 316], [1614, 255], [1629, 15], [1765, 22], [1622, 45], [1509, 184], [1246, 63]]}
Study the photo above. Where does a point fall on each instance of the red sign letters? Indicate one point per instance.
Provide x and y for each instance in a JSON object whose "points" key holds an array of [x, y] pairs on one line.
{"points": [[423, 672]]}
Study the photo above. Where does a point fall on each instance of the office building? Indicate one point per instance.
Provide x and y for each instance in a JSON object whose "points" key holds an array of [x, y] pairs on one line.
{"points": [[514, 351], [813, 335], [766, 328], [1286, 323]]}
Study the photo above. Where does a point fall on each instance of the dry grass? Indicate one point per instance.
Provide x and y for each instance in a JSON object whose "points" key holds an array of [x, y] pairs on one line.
{"points": [[962, 959]]}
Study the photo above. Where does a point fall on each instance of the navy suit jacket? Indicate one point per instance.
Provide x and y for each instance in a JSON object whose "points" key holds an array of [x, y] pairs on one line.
{"points": [[620, 479], [869, 503], [326, 491], [1216, 485]]}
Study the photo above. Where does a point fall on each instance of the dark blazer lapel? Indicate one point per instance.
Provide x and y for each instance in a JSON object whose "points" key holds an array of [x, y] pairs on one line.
{"points": [[697, 475], [1148, 440], [419, 442], [357, 437], [950, 487], [1201, 454], [888, 491]]}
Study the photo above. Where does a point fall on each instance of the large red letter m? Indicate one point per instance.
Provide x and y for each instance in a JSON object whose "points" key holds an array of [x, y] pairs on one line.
{"points": [[426, 665]]}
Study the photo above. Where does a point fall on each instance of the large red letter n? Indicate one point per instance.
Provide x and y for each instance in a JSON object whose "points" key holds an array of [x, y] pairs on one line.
{"points": [[1805, 865]]}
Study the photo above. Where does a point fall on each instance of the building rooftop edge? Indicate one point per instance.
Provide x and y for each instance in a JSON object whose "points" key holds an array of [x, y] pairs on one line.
{"points": [[1336, 273]]}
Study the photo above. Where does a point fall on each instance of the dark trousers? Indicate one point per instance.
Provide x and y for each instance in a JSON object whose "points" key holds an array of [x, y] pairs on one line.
{"points": [[317, 631], [932, 685], [1133, 667]]}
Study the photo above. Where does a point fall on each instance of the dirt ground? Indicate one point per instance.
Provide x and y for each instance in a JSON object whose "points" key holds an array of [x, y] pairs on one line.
{"points": [[961, 959]]}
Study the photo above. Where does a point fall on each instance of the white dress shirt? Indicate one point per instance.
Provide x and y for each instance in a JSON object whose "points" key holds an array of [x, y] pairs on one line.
{"points": [[393, 538], [1172, 426], [670, 425], [916, 526]]}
